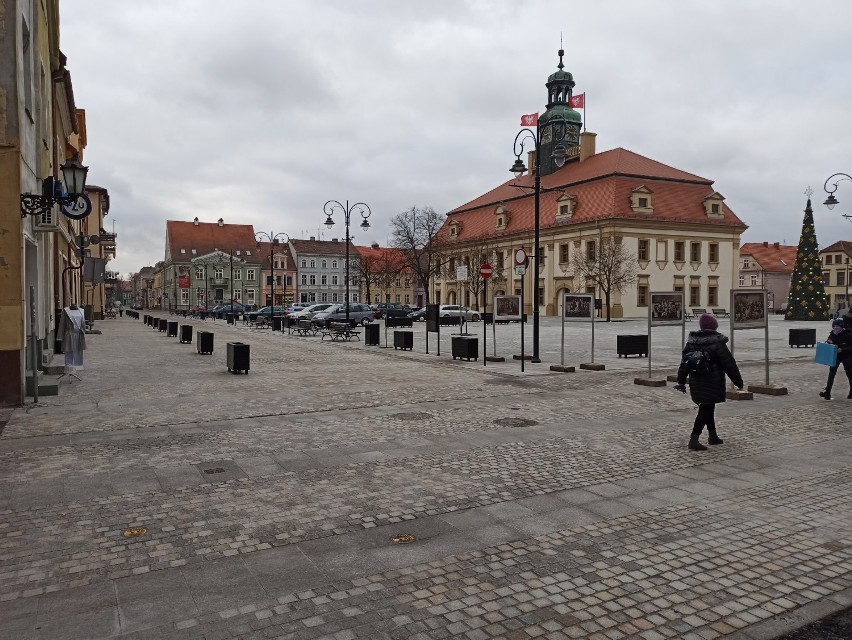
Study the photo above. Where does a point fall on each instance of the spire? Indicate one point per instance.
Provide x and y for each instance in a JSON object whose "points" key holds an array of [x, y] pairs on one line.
{"points": [[561, 66]]}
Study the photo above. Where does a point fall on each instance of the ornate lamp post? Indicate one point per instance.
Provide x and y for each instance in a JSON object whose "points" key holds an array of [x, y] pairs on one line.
{"points": [[329, 208], [556, 128], [831, 202], [274, 240], [74, 179]]}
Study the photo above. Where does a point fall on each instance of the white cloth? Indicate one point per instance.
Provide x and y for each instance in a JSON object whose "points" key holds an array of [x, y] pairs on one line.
{"points": [[72, 327]]}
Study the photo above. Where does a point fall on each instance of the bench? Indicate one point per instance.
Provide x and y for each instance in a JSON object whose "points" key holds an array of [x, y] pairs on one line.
{"points": [[696, 312], [631, 345], [340, 331], [722, 313], [305, 328]]}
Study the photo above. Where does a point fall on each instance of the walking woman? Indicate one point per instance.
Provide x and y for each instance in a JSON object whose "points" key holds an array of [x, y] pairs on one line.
{"points": [[842, 337], [707, 378]]}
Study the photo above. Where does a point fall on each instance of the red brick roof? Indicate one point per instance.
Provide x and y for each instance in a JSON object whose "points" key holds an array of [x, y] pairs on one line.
{"points": [[602, 186], [264, 249], [206, 237], [842, 246], [322, 247], [774, 257], [382, 253]]}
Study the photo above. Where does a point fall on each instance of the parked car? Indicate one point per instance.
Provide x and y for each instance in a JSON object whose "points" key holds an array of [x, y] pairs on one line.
{"points": [[228, 307], [358, 314], [267, 311], [310, 312], [419, 315], [454, 310], [295, 307], [392, 309]]}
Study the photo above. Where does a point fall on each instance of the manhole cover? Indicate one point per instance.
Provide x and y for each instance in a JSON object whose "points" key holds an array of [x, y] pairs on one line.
{"points": [[412, 416], [134, 532], [215, 470], [403, 538], [515, 422]]}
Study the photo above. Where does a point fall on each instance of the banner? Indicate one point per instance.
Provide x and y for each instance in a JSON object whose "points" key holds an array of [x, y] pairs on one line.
{"points": [[183, 277], [529, 120], [578, 101]]}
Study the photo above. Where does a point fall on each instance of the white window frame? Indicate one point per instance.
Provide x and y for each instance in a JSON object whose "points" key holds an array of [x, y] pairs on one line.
{"points": [[250, 274]]}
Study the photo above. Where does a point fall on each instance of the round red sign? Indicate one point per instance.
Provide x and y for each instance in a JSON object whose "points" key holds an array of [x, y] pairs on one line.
{"points": [[485, 270]]}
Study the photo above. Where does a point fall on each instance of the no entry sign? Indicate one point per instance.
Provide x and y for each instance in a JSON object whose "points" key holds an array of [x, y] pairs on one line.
{"points": [[485, 270]]}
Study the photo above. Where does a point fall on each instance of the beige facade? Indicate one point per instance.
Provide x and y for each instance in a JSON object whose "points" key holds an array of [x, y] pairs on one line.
{"points": [[836, 271]]}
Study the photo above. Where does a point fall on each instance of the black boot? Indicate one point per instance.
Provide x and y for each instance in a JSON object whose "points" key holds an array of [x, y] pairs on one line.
{"points": [[694, 445], [714, 438], [826, 395]]}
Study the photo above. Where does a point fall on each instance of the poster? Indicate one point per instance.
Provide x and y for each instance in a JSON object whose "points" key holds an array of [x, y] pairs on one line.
{"points": [[507, 307], [578, 306], [666, 308], [748, 309], [183, 277]]}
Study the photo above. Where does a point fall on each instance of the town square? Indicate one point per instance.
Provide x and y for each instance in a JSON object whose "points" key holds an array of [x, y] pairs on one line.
{"points": [[329, 321]]}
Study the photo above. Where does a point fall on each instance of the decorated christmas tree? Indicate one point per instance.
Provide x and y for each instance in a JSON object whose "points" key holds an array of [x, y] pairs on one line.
{"points": [[807, 299]]}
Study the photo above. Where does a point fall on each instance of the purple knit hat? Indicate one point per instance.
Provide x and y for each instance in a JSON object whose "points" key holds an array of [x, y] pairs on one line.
{"points": [[708, 323]]}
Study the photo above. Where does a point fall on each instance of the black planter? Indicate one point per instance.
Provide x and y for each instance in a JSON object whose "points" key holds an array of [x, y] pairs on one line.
{"points": [[371, 335], [230, 318], [403, 340], [276, 323], [145, 318], [204, 342], [391, 321], [186, 334], [238, 357], [466, 347], [172, 330], [802, 338], [632, 345], [164, 325]]}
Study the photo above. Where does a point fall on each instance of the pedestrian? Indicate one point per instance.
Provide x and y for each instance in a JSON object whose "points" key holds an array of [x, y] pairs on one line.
{"points": [[841, 336], [707, 386], [120, 311]]}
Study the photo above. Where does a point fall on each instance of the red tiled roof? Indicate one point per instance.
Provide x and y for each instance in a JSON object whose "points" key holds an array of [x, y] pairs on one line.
{"points": [[382, 253], [322, 247], [265, 248], [206, 237], [774, 257], [602, 186], [843, 246]]}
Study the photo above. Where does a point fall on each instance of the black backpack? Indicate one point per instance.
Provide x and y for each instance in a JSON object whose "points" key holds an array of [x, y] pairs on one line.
{"points": [[696, 362]]}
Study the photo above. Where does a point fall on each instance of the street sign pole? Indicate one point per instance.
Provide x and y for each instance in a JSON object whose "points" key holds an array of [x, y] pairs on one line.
{"points": [[485, 272]]}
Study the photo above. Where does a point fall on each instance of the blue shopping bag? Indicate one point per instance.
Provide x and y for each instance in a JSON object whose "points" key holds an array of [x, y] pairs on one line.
{"points": [[826, 354]]}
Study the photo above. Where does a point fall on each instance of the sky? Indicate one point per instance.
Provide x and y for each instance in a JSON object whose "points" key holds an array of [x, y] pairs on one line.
{"points": [[259, 112]]}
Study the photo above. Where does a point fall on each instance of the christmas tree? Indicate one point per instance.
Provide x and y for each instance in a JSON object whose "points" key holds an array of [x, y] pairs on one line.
{"points": [[807, 299]]}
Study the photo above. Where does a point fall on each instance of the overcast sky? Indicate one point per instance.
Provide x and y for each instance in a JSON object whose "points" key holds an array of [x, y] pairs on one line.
{"points": [[260, 111]]}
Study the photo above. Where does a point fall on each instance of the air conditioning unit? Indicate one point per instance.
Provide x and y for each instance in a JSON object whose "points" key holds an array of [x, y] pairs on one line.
{"points": [[50, 220]]}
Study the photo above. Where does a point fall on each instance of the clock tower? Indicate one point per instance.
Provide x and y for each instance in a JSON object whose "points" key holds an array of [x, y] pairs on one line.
{"points": [[559, 124]]}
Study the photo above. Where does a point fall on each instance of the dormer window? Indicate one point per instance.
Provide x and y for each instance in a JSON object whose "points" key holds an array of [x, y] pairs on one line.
{"points": [[455, 229], [565, 207], [713, 205], [501, 215], [640, 200]]}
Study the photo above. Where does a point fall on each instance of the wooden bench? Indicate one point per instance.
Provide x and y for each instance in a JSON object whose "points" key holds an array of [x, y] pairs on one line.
{"points": [[696, 312], [722, 313], [340, 331], [305, 328]]}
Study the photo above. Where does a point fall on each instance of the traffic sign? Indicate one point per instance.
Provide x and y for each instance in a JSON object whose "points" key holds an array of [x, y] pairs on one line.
{"points": [[485, 271], [77, 209], [520, 257]]}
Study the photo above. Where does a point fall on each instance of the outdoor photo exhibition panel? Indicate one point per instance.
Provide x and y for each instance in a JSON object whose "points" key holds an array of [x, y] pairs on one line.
{"points": [[665, 309], [749, 311], [578, 307], [506, 309]]}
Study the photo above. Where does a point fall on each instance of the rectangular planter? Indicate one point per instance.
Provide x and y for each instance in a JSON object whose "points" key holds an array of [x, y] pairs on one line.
{"points": [[204, 342], [632, 345], [371, 335], [172, 330], [802, 338], [186, 334], [164, 325], [466, 347], [397, 322], [403, 340], [238, 357]]}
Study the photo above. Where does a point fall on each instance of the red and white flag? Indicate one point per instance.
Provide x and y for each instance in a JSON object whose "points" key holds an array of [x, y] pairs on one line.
{"points": [[578, 101], [529, 120]]}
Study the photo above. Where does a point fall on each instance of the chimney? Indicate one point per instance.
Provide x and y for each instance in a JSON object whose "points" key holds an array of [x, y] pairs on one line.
{"points": [[776, 245], [313, 238], [375, 245], [334, 239], [531, 162], [587, 145], [765, 244], [195, 222], [221, 222]]}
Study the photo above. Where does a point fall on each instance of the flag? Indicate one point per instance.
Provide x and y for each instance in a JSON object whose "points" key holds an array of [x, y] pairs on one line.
{"points": [[578, 101], [529, 120]]}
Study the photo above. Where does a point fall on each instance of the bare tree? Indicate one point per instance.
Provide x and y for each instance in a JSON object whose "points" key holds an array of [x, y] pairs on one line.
{"points": [[612, 268], [366, 269], [387, 269], [473, 257], [414, 233]]}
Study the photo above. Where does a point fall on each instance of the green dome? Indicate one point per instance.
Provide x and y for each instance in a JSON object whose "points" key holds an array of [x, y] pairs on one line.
{"points": [[561, 76], [561, 110]]}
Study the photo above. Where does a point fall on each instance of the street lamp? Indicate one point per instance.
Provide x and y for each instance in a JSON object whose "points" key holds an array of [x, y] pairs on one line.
{"points": [[559, 155], [53, 192], [274, 240], [329, 208]]}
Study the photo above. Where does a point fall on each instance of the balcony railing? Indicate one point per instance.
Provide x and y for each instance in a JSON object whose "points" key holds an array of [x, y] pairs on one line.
{"points": [[222, 282]]}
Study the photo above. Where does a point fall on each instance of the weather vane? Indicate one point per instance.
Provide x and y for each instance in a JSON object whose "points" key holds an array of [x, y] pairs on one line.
{"points": [[809, 192]]}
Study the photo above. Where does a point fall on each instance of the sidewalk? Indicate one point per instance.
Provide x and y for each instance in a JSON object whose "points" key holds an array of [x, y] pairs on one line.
{"points": [[542, 505]]}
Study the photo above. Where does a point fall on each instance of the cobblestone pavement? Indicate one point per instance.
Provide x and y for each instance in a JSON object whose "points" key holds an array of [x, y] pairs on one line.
{"points": [[543, 505]]}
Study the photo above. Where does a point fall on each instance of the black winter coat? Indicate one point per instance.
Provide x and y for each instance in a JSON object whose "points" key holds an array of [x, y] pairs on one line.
{"points": [[710, 388], [843, 340]]}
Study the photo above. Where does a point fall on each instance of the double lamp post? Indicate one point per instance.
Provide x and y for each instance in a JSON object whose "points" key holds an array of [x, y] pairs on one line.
{"points": [[274, 240], [329, 208]]}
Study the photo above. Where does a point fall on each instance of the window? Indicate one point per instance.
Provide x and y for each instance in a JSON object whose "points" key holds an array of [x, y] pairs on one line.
{"points": [[500, 260], [501, 222], [397, 298], [219, 273], [250, 296], [407, 282], [183, 250], [841, 279], [754, 279], [313, 263], [541, 296], [184, 296], [640, 200], [644, 250], [334, 264], [278, 280], [713, 295], [642, 295], [678, 251], [662, 250], [334, 297], [28, 68], [695, 252], [694, 295], [407, 298], [827, 278], [643, 203], [323, 297], [334, 279], [250, 275], [289, 281], [716, 208], [237, 295], [304, 279], [199, 273], [304, 263], [591, 250], [742, 280], [238, 274], [199, 295], [397, 283], [829, 259], [713, 252], [312, 279], [452, 266], [323, 279], [746, 263]]}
